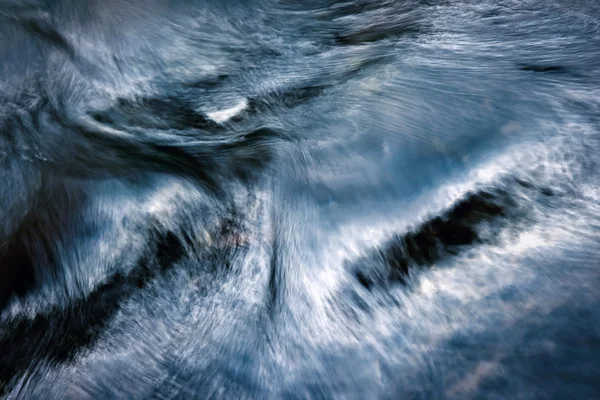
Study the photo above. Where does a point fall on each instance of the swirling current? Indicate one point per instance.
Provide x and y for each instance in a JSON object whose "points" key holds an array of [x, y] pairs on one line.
{"points": [[318, 199]]}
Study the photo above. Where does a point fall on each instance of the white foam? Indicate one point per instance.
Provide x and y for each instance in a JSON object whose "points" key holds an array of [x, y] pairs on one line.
{"points": [[222, 116]]}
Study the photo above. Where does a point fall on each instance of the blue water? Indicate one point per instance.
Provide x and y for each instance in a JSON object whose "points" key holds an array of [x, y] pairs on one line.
{"points": [[303, 200]]}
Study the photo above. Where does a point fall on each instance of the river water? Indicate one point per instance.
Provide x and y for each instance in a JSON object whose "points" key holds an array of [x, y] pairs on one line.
{"points": [[303, 200]]}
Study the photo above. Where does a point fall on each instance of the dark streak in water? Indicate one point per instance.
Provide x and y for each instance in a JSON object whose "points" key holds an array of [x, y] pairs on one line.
{"points": [[543, 68], [440, 237], [59, 334], [374, 33], [47, 32], [155, 113]]}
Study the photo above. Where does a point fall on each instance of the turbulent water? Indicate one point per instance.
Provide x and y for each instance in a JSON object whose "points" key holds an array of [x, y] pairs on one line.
{"points": [[234, 199]]}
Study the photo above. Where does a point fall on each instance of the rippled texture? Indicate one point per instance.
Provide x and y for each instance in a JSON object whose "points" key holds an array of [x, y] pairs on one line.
{"points": [[282, 199]]}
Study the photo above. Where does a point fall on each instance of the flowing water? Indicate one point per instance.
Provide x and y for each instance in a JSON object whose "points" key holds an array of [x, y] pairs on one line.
{"points": [[384, 199]]}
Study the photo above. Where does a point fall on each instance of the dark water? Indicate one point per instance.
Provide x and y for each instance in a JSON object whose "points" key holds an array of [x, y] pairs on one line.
{"points": [[302, 200]]}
